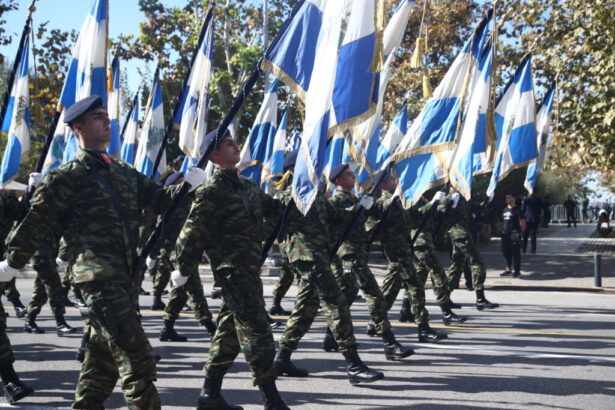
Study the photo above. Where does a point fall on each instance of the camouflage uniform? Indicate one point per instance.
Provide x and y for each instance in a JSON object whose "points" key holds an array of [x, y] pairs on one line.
{"points": [[193, 287], [355, 273], [308, 242], [70, 199], [464, 247], [9, 209], [6, 353], [286, 278], [396, 246], [226, 220]]}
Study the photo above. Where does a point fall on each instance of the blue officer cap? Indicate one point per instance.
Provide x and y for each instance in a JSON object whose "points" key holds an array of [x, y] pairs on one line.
{"points": [[81, 107], [337, 171]]}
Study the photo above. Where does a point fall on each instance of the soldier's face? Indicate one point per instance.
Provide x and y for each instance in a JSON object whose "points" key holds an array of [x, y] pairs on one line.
{"points": [[388, 184], [94, 127], [227, 154], [346, 180]]}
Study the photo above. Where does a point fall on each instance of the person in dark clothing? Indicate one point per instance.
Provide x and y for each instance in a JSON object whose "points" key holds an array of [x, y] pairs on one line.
{"points": [[546, 209], [531, 208], [571, 205], [513, 225], [584, 209]]}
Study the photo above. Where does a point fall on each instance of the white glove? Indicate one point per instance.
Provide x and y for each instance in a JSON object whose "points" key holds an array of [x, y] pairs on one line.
{"points": [[150, 263], [7, 273], [34, 180], [62, 264], [195, 176], [366, 201], [178, 279], [438, 197], [455, 199]]}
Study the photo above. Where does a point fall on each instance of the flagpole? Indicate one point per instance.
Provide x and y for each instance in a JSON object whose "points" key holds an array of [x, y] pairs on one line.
{"points": [[134, 104], [171, 123], [24, 35], [238, 101]]}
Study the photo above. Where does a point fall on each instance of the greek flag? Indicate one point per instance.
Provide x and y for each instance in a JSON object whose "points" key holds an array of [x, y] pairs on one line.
{"points": [[424, 171], [515, 123], [395, 133], [293, 141], [16, 121], [435, 129], [129, 135], [152, 134], [263, 131], [114, 109], [474, 129], [334, 153], [273, 167], [545, 138], [194, 107], [86, 76]]}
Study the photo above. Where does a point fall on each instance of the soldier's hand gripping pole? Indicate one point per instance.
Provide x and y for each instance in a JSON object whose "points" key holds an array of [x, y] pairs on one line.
{"points": [[238, 101]]}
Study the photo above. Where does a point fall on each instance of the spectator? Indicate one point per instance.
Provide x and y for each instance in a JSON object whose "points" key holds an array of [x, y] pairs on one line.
{"points": [[584, 208], [512, 227], [546, 211], [530, 209], [571, 205]]}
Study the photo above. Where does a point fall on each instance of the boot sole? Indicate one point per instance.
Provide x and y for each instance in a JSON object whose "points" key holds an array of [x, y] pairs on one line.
{"points": [[26, 393], [398, 358], [354, 382], [166, 339]]}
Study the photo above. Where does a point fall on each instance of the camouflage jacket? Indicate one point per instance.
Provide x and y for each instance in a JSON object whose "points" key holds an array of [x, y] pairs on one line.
{"points": [[356, 240], [226, 221], [9, 210], [457, 220], [393, 232], [417, 213], [173, 227], [307, 237], [69, 200]]}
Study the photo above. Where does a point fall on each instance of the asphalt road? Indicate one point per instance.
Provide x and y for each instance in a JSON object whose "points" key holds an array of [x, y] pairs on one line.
{"points": [[539, 350]]}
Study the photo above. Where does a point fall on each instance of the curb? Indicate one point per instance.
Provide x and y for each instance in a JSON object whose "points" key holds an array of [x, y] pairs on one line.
{"points": [[604, 291]]}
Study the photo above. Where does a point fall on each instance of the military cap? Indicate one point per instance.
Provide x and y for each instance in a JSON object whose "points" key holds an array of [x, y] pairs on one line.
{"points": [[211, 136], [381, 176], [81, 107], [171, 179], [290, 159], [337, 171]]}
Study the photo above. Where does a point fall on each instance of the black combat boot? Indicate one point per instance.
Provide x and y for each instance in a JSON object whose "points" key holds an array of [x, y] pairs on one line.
{"points": [[405, 314], [453, 305], [329, 344], [482, 302], [31, 326], [158, 304], [276, 308], [428, 335], [168, 333], [79, 303], [20, 309], [14, 389], [393, 350], [271, 397], [284, 366], [216, 293], [63, 327], [210, 397], [357, 371], [371, 329], [273, 323], [449, 317], [67, 301], [143, 292], [209, 325]]}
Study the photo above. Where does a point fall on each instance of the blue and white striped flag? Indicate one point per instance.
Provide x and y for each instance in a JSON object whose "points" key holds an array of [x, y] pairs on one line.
{"points": [[16, 121], [263, 130], [474, 129], [293, 141], [86, 76], [195, 104], [131, 132], [515, 123], [334, 152], [424, 171], [544, 140], [273, 167], [152, 134], [114, 109], [394, 135]]}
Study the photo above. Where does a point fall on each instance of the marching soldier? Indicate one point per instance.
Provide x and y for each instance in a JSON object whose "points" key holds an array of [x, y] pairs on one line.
{"points": [[226, 221], [355, 272], [97, 201], [457, 218], [9, 210]]}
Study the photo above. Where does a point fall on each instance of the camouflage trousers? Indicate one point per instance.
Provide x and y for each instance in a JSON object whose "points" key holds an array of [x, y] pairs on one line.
{"points": [[11, 292], [162, 273], [285, 281], [466, 251], [354, 275], [47, 286], [118, 347], [427, 264], [6, 353], [242, 326], [402, 273], [179, 295], [317, 286]]}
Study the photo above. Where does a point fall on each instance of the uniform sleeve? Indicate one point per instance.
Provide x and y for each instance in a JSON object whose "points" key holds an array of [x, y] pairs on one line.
{"points": [[47, 209], [193, 237], [273, 206], [155, 195]]}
